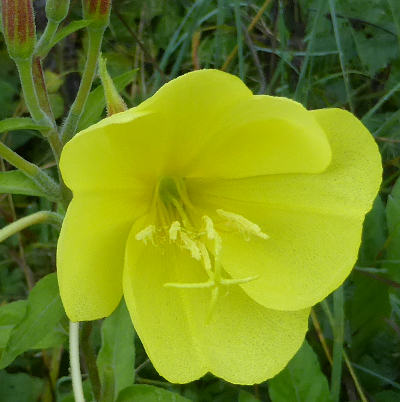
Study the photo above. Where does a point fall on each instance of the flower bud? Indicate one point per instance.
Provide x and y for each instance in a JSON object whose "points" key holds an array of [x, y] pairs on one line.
{"points": [[114, 102], [98, 11], [19, 28], [57, 10]]}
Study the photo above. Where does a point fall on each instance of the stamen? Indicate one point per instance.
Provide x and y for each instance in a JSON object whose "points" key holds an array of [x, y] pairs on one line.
{"points": [[176, 221], [181, 212], [190, 245], [200, 285], [147, 234], [212, 234], [229, 282], [213, 304], [206, 258], [173, 230], [242, 224]]}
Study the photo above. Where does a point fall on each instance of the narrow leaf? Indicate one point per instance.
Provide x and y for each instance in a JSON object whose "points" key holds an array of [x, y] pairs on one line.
{"points": [[19, 123], [301, 381], [15, 182], [96, 101], [149, 393], [64, 32], [116, 359], [44, 313]]}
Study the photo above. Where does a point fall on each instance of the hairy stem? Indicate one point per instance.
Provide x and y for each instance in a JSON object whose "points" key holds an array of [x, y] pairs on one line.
{"points": [[41, 88], [75, 113], [46, 38], [28, 88], [32, 103], [23, 223], [45, 182]]}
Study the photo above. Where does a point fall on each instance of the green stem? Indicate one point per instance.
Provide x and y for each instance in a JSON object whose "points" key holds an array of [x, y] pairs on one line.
{"points": [[75, 113], [45, 182], [41, 88], [23, 223], [338, 331], [310, 47], [341, 54], [239, 38], [74, 362], [32, 103], [46, 38], [28, 87]]}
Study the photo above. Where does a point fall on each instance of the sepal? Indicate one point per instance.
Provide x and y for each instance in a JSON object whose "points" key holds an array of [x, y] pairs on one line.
{"points": [[114, 101], [19, 28], [98, 11]]}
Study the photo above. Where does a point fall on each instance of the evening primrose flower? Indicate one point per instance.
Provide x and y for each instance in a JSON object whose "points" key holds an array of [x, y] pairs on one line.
{"points": [[220, 216]]}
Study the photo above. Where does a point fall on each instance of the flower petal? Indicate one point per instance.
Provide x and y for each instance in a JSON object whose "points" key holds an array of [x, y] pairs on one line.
{"points": [[120, 152], [90, 254], [156, 138], [314, 221], [243, 343], [264, 135], [195, 104]]}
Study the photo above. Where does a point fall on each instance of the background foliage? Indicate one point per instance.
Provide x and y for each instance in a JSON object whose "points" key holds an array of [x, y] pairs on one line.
{"points": [[323, 53]]}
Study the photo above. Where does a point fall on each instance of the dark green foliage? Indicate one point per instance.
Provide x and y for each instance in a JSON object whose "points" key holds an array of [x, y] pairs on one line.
{"points": [[302, 380]]}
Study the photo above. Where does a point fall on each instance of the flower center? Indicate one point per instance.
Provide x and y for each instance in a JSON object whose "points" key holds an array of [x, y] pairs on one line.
{"points": [[176, 221]]}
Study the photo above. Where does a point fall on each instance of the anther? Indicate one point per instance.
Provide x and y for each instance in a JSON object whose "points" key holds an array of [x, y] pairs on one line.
{"points": [[190, 245], [212, 234], [173, 230], [242, 224], [206, 258], [147, 234]]}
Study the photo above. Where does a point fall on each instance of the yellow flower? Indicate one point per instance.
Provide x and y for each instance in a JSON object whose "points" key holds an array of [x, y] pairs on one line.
{"points": [[220, 216]]}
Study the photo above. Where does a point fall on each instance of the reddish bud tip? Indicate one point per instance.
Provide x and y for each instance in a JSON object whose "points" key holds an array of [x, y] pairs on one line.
{"points": [[98, 11], [19, 27]]}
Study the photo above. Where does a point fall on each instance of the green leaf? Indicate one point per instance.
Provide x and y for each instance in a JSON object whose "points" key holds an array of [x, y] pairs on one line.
{"points": [[19, 387], [366, 323], [15, 182], [387, 396], [69, 396], [96, 101], [148, 393], [393, 243], [44, 313], [57, 105], [301, 381], [10, 315], [374, 234], [64, 32], [19, 123], [116, 359]]}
